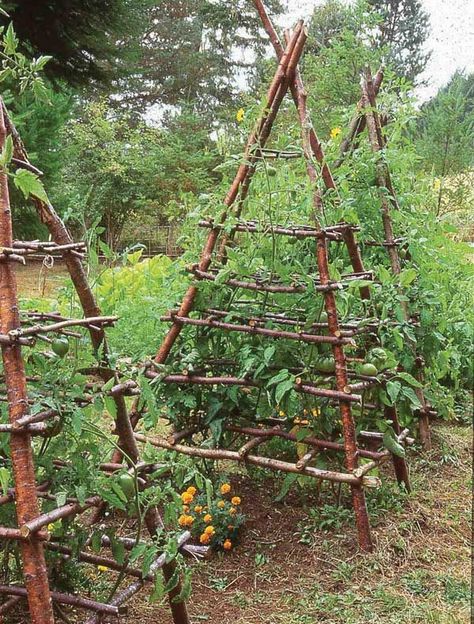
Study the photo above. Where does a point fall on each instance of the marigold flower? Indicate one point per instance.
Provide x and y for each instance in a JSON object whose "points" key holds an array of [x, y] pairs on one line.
{"points": [[240, 114], [205, 538], [335, 132], [232, 511], [227, 544], [198, 508], [225, 488], [235, 500], [209, 530], [186, 497], [191, 490], [185, 508], [221, 504], [207, 518], [102, 568], [281, 413], [315, 411], [185, 520]]}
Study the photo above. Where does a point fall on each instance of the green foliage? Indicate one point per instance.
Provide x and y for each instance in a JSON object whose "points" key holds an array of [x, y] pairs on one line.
{"points": [[115, 170]]}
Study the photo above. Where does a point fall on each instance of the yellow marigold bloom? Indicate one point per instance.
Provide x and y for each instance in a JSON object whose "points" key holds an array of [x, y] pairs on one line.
{"points": [[205, 538], [102, 568], [185, 508], [232, 511], [281, 413], [335, 132], [315, 411], [191, 490], [209, 530], [240, 114], [198, 508], [227, 544], [225, 488], [50, 526], [235, 501], [305, 411], [221, 504], [207, 518], [186, 497]]}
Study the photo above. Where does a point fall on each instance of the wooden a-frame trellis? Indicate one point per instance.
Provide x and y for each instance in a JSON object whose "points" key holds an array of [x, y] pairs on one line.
{"points": [[342, 390], [17, 332]]}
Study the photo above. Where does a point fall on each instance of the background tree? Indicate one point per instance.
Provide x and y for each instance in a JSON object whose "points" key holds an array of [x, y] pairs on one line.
{"points": [[87, 39], [116, 171], [402, 32]]}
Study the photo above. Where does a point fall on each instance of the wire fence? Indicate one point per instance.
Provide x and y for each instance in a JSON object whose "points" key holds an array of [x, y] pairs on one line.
{"points": [[158, 239]]}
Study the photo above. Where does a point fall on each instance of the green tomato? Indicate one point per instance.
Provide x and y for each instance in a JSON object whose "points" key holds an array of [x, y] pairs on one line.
{"points": [[323, 317], [368, 369], [60, 346], [326, 365], [127, 483]]}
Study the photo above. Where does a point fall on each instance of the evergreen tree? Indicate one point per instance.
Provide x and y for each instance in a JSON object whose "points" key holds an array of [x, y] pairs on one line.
{"points": [[87, 39], [402, 32]]}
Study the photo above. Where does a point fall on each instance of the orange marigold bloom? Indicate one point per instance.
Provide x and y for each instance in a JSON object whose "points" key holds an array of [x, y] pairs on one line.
{"points": [[185, 508], [230, 527], [232, 511], [221, 504], [191, 490], [186, 497], [185, 521], [227, 544], [207, 518], [209, 530], [235, 500], [225, 488], [205, 538], [198, 508]]}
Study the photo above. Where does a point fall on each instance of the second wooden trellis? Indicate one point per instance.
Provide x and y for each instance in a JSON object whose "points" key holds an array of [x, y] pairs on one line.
{"points": [[343, 387]]}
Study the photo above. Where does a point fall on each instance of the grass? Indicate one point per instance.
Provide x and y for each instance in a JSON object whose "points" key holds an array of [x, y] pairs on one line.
{"points": [[295, 566], [35, 280]]}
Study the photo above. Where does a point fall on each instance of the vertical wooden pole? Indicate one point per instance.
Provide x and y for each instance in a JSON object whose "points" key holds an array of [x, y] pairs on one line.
{"points": [[34, 564]]}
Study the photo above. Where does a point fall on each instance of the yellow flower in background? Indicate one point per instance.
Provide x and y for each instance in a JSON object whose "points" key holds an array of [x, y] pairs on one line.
{"points": [[205, 538], [102, 568], [315, 411], [191, 490], [185, 508], [232, 511], [210, 530], [281, 413], [221, 504], [240, 115], [225, 488], [436, 184], [198, 508], [235, 501], [335, 132], [227, 544], [207, 518]]}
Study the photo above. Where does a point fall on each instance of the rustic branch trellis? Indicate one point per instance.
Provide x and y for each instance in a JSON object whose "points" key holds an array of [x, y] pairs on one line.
{"points": [[344, 393], [31, 531]]}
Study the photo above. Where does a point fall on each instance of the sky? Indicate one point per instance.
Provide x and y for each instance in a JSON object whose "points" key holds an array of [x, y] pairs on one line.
{"points": [[451, 41]]}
